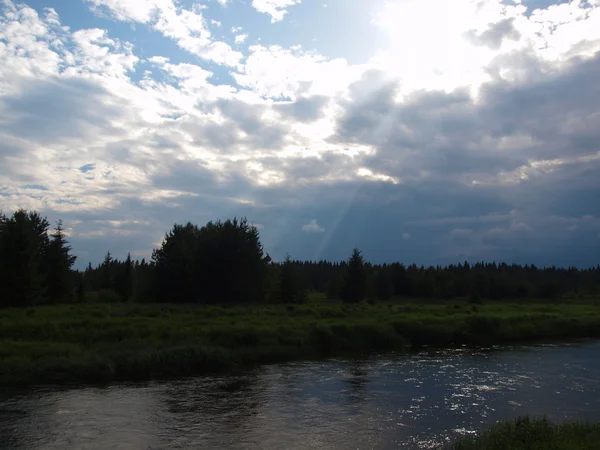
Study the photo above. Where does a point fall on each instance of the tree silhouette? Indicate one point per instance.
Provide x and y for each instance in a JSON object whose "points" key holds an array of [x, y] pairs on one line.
{"points": [[354, 288], [291, 285], [384, 284], [222, 262], [23, 244], [58, 263], [107, 278]]}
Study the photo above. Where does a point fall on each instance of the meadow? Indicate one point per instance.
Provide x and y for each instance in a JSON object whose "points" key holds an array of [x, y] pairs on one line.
{"points": [[102, 342], [526, 433]]}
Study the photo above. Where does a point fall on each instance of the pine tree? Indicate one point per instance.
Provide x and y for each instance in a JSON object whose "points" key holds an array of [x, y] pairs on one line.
{"points": [[384, 284], [291, 286], [354, 288], [81, 289], [107, 280], [23, 244], [334, 287], [125, 285], [222, 262], [58, 263]]}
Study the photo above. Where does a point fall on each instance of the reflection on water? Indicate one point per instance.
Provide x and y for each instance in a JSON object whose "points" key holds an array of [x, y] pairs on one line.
{"points": [[418, 401]]}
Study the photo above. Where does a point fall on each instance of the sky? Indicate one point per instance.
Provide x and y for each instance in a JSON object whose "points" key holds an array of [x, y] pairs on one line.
{"points": [[425, 131]]}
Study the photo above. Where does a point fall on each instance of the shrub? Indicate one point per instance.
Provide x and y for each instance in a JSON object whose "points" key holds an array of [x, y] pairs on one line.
{"points": [[525, 433]]}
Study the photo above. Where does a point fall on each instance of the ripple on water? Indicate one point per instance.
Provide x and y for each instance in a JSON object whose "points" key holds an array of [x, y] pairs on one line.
{"points": [[399, 401]]}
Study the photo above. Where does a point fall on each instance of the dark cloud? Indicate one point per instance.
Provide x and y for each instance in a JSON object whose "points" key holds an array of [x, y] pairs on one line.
{"points": [[7, 150], [452, 134], [439, 143], [509, 174], [59, 109], [495, 34], [559, 111], [304, 109], [371, 103], [240, 117]]}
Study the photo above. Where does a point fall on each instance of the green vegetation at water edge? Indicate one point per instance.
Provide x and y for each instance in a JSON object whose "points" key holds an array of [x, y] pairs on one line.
{"points": [[104, 342], [525, 433]]}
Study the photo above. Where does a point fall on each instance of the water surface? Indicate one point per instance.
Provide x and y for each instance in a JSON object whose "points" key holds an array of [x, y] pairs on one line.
{"points": [[386, 401]]}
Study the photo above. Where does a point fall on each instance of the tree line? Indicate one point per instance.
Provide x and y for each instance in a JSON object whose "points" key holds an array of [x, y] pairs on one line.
{"points": [[224, 262]]}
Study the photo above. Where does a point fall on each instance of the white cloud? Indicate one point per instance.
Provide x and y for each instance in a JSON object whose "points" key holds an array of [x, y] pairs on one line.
{"points": [[279, 72], [142, 11], [240, 38], [277, 9], [186, 27], [298, 124], [313, 227]]}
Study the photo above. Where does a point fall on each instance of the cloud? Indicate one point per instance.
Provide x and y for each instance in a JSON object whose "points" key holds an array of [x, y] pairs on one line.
{"points": [[313, 227], [288, 73], [461, 234], [304, 109], [186, 27], [142, 11], [495, 34], [59, 110], [277, 9], [490, 155], [240, 38]]}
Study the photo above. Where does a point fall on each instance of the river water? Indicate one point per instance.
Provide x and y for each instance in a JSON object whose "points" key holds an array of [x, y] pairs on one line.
{"points": [[386, 401]]}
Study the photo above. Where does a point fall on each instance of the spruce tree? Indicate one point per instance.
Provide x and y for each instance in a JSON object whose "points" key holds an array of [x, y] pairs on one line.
{"points": [[23, 244], [107, 279], [58, 263], [291, 286], [334, 286], [81, 289], [384, 284], [354, 288], [128, 278]]}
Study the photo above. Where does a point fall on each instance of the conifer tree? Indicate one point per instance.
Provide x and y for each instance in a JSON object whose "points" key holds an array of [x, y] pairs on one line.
{"points": [[334, 286], [291, 286], [58, 263], [23, 244], [107, 279], [354, 288], [384, 284]]}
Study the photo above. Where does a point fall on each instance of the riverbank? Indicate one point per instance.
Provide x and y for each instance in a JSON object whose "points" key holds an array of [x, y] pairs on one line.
{"points": [[106, 342], [525, 433]]}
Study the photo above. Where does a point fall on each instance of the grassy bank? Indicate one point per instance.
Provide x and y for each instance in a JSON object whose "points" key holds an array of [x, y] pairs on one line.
{"points": [[103, 342], [534, 434]]}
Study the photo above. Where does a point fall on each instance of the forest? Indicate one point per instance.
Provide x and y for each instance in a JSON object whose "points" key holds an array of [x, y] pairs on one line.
{"points": [[210, 298], [224, 262]]}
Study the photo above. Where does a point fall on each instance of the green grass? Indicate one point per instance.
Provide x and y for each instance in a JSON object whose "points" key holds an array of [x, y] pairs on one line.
{"points": [[104, 342], [534, 434]]}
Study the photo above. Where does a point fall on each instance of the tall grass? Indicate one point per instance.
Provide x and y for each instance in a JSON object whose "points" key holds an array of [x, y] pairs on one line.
{"points": [[103, 342], [525, 433]]}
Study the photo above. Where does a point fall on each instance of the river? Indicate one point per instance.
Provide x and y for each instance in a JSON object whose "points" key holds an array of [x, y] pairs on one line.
{"points": [[384, 401]]}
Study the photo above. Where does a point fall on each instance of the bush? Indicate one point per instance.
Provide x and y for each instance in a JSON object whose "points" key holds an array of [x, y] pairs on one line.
{"points": [[525, 433], [103, 296]]}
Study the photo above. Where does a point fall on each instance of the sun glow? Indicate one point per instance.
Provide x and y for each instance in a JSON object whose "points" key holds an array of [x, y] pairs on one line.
{"points": [[428, 44]]}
